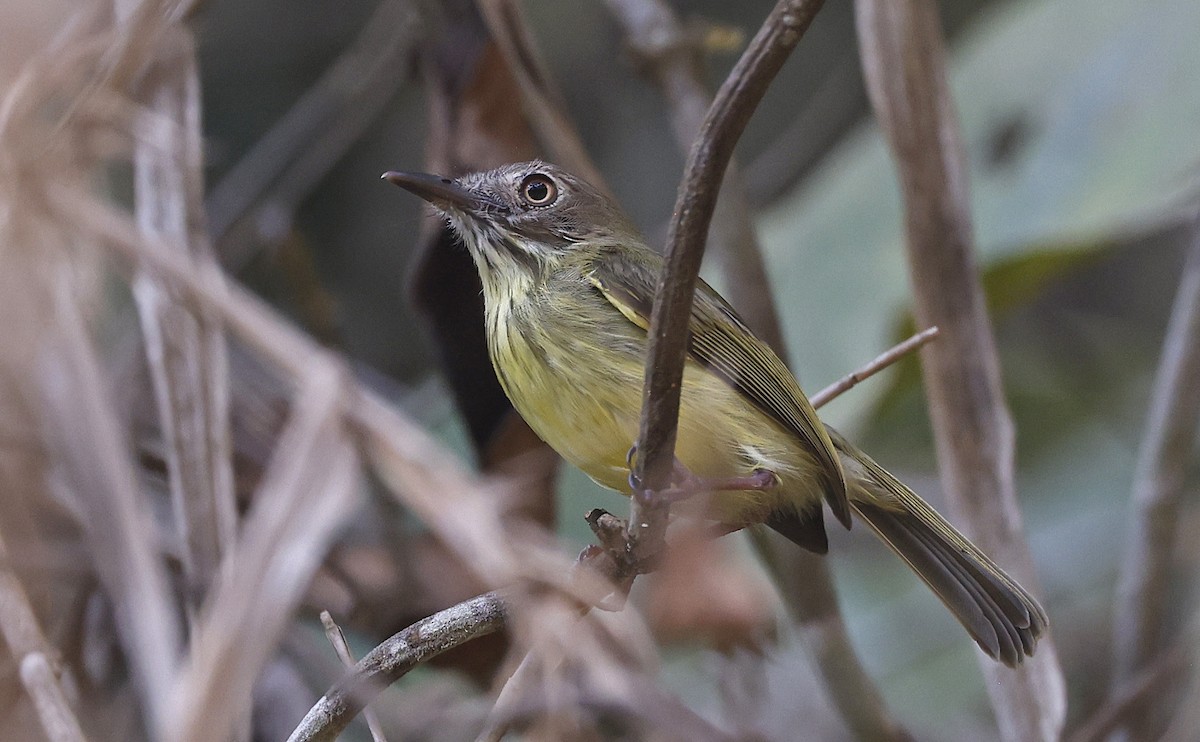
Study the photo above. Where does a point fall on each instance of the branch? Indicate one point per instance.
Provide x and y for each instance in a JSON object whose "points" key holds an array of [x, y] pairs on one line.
{"points": [[1163, 461], [904, 63], [391, 660], [882, 361], [723, 125]]}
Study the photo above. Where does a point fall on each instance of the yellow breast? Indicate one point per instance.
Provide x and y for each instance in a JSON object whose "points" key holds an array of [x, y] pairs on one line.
{"points": [[575, 374]]}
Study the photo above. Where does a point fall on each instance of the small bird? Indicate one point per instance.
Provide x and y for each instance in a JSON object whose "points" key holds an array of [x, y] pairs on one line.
{"points": [[568, 284]]}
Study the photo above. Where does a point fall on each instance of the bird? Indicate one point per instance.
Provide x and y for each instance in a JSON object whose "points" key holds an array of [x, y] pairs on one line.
{"points": [[568, 284]]}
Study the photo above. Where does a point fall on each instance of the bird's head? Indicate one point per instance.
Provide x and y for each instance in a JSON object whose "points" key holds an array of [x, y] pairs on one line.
{"points": [[522, 217]]}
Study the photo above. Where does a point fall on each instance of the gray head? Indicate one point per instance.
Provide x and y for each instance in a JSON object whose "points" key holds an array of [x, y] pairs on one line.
{"points": [[526, 215]]}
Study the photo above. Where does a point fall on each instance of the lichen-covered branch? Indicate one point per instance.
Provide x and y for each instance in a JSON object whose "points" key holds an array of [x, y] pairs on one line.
{"points": [[391, 660]]}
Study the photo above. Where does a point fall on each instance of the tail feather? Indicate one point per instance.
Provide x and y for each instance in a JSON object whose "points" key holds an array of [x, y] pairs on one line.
{"points": [[1003, 619]]}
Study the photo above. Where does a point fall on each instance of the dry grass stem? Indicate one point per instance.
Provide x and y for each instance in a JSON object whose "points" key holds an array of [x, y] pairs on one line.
{"points": [[27, 643], [905, 67]]}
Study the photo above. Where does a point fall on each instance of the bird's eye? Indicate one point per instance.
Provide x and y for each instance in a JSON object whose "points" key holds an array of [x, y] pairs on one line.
{"points": [[538, 190]]}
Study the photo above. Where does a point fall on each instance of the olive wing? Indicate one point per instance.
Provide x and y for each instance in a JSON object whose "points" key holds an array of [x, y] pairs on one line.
{"points": [[721, 341]]}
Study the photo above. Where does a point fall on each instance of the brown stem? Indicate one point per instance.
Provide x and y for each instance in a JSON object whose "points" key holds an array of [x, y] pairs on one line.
{"points": [[723, 125], [904, 62]]}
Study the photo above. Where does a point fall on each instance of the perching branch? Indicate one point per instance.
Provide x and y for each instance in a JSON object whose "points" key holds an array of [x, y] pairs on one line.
{"points": [[335, 710], [1163, 461], [904, 63], [723, 125]]}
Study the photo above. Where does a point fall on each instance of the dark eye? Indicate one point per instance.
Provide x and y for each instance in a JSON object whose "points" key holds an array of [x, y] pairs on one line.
{"points": [[538, 190]]}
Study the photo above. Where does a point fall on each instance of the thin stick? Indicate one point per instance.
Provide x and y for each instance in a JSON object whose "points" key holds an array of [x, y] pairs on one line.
{"points": [[333, 632], [882, 361], [726, 119]]}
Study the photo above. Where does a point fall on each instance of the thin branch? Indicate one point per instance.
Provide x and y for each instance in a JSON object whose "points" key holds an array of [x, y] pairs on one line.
{"points": [[726, 119], [1163, 461], [94, 473], [882, 361], [391, 660], [904, 62], [333, 632]]}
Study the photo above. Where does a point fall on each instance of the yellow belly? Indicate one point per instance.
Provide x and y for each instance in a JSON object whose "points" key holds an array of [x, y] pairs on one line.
{"points": [[588, 410]]}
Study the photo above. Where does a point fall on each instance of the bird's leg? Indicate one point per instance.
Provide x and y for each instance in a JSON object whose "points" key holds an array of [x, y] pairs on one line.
{"points": [[685, 484]]}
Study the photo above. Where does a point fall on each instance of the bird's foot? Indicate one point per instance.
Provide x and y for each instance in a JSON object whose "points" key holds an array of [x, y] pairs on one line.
{"points": [[685, 484]]}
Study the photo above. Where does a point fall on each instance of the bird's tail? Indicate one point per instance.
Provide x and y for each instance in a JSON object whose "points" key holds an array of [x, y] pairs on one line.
{"points": [[1002, 618]]}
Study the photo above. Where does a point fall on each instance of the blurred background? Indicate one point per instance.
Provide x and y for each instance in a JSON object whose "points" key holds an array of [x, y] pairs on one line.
{"points": [[1080, 121]]}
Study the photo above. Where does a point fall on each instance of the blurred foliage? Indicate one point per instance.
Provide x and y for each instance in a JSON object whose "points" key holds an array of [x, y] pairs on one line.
{"points": [[1079, 120]]}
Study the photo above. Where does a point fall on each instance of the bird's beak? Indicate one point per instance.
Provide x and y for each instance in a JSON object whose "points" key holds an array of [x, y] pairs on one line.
{"points": [[439, 191]]}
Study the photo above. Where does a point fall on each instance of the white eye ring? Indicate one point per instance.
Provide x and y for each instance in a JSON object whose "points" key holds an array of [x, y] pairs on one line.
{"points": [[538, 190]]}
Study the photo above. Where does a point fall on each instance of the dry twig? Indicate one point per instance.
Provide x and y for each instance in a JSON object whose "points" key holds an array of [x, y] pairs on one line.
{"points": [[904, 62]]}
